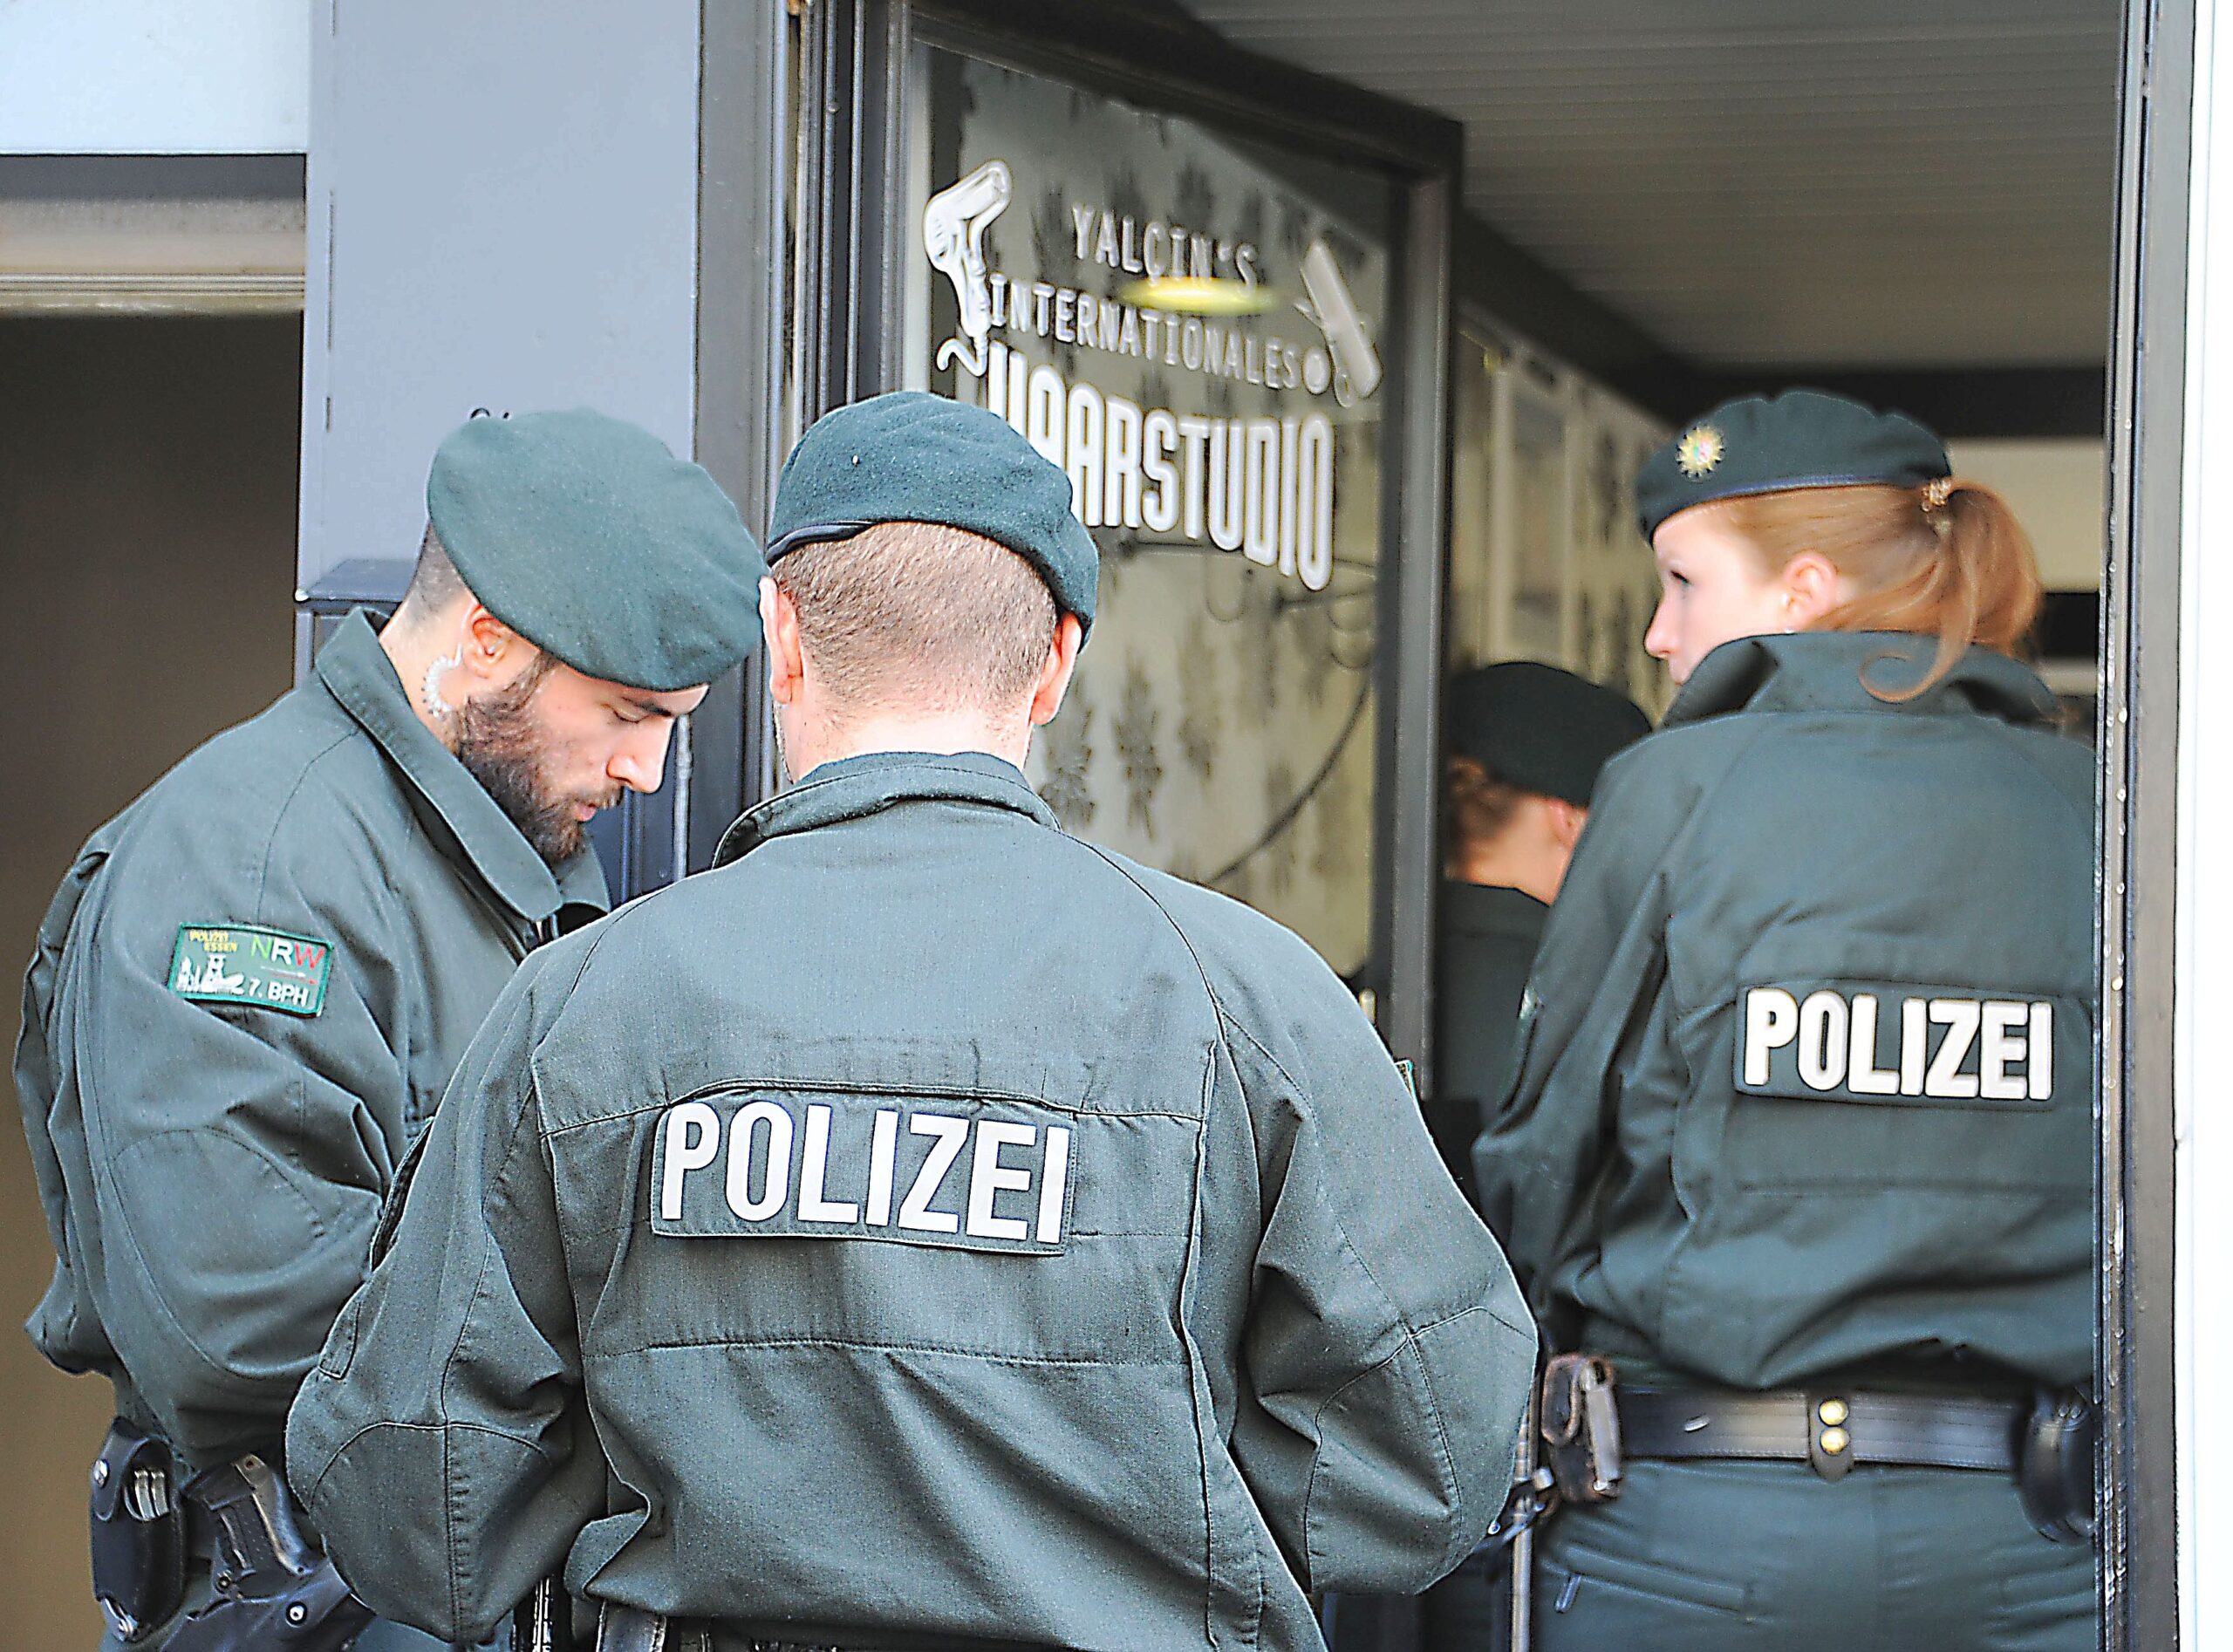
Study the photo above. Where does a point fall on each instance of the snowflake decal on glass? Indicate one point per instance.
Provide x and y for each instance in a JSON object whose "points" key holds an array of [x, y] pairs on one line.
{"points": [[1136, 746], [1068, 790], [1280, 853], [1202, 721]]}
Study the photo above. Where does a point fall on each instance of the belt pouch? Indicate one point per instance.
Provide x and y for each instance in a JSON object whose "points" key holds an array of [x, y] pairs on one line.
{"points": [[1582, 1430], [139, 1533], [2054, 1467]]}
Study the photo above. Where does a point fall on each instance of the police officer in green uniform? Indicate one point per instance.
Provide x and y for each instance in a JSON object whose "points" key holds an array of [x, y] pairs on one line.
{"points": [[1526, 741], [1799, 1159], [254, 982], [925, 1229]]}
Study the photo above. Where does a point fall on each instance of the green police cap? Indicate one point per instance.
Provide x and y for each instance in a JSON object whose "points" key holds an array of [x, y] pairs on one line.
{"points": [[1540, 729], [912, 457], [1767, 444], [589, 538]]}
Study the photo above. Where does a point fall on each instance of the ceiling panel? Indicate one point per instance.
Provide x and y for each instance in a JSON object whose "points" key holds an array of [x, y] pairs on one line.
{"points": [[1889, 184]]}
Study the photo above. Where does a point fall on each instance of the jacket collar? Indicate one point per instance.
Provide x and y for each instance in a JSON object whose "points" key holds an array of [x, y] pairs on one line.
{"points": [[355, 670], [1835, 671], [874, 782], [1491, 909]]}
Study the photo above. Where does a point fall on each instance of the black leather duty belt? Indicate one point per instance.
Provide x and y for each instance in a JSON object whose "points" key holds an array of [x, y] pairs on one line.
{"points": [[1829, 1429]]}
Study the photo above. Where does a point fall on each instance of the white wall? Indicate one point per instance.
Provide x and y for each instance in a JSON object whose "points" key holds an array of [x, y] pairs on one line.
{"points": [[2059, 489], [155, 77], [2202, 1328], [508, 221]]}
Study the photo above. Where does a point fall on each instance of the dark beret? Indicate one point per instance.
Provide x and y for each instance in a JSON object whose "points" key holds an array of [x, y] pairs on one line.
{"points": [[585, 535], [1767, 444], [1540, 729], [908, 456]]}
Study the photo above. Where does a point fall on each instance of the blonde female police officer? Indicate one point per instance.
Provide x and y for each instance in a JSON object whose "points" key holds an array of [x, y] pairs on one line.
{"points": [[925, 1230], [1799, 1147]]}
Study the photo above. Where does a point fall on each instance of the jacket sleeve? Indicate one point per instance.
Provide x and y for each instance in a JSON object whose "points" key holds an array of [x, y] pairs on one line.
{"points": [[1597, 981], [1386, 1345], [443, 1446], [233, 1154]]}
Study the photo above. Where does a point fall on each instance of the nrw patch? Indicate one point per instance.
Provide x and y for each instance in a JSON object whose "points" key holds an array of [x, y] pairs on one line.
{"points": [[238, 964]]}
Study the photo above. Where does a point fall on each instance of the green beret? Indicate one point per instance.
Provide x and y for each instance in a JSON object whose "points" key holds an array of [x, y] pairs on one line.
{"points": [[1768, 444], [589, 538], [1540, 729], [912, 457]]}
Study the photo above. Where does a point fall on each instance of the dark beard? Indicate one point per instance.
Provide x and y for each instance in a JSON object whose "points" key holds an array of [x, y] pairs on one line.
{"points": [[497, 742]]}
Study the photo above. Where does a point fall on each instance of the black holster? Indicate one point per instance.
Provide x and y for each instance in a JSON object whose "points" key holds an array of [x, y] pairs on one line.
{"points": [[271, 1589], [1581, 1428], [2055, 1465], [624, 1628], [138, 1531]]}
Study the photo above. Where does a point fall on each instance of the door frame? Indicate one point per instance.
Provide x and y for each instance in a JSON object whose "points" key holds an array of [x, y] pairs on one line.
{"points": [[854, 58], [2140, 648]]}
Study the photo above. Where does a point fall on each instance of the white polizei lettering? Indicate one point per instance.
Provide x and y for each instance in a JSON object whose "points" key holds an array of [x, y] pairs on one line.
{"points": [[1822, 1040], [814, 1203], [1946, 1079], [2000, 1043], [883, 1146], [1914, 1044], [776, 1189], [691, 1139], [2041, 1066], [1863, 1076], [1054, 1183], [987, 1177], [949, 1133], [1771, 1021]]}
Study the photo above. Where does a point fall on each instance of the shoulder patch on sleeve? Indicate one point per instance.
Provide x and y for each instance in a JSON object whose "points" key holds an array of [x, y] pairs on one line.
{"points": [[241, 964]]}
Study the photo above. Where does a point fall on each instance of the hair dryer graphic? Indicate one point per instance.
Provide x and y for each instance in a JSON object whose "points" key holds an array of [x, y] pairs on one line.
{"points": [[1356, 363], [953, 235]]}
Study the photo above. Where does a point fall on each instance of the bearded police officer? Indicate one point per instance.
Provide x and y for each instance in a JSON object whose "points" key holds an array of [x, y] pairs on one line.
{"points": [[254, 982], [1798, 1161], [1526, 741], [923, 1230]]}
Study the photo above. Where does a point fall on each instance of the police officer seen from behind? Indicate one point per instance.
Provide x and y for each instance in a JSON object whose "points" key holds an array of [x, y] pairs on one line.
{"points": [[925, 1230], [1797, 1165], [254, 982], [1526, 741]]}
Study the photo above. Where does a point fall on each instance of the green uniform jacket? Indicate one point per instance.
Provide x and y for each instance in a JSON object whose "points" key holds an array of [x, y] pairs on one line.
{"points": [[1808, 1081], [212, 1158], [1485, 937], [924, 1220]]}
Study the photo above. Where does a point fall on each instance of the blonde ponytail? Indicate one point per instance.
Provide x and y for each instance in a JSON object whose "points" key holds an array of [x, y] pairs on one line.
{"points": [[1948, 560]]}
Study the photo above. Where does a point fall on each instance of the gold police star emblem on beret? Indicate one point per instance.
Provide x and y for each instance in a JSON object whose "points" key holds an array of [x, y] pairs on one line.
{"points": [[1699, 451]]}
